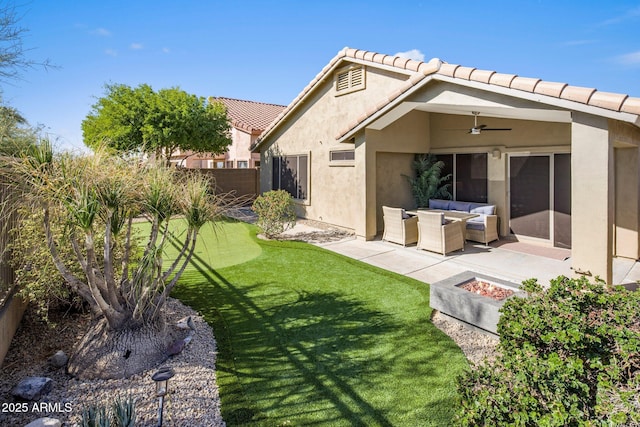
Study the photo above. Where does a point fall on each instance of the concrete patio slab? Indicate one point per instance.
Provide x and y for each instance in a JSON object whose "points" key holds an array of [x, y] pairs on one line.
{"points": [[430, 267]]}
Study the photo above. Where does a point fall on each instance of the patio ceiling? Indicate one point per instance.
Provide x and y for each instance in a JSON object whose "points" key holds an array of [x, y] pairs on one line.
{"points": [[467, 109]]}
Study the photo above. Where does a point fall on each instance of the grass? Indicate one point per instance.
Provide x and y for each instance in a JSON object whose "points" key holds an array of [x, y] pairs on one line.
{"points": [[309, 337]]}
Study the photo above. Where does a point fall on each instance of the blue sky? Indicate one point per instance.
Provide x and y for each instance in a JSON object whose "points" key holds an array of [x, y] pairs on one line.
{"points": [[269, 51]]}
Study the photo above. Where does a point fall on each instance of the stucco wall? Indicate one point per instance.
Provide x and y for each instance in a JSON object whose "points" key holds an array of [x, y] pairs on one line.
{"points": [[312, 129], [626, 139], [391, 152]]}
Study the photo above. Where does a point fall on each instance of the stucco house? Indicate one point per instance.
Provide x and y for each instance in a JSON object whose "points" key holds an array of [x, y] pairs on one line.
{"points": [[563, 171], [248, 120]]}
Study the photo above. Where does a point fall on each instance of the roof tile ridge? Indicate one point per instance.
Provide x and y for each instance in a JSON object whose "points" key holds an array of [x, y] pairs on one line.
{"points": [[245, 100], [631, 105]]}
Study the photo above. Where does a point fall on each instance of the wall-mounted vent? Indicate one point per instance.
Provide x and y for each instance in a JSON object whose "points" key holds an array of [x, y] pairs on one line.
{"points": [[350, 79]]}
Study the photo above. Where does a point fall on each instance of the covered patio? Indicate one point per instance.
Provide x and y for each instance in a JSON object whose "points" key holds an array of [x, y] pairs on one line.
{"points": [[560, 163]]}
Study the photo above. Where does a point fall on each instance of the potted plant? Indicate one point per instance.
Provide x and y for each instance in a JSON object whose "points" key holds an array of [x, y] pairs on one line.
{"points": [[427, 183]]}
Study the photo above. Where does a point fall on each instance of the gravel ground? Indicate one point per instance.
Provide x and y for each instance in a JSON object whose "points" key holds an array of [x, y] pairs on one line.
{"points": [[194, 401]]}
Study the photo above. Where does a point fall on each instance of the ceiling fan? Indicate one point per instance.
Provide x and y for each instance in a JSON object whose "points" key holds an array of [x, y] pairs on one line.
{"points": [[476, 129]]}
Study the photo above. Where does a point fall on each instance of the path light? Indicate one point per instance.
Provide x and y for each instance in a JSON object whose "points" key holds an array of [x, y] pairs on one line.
{"points": [[161, 378]]}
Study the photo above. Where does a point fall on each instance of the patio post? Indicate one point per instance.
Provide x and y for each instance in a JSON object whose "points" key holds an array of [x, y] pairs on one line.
{"points": [[592, 196]]}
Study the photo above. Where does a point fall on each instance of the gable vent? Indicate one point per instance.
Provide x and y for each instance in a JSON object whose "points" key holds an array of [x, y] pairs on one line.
{"points": [[350, 79]]}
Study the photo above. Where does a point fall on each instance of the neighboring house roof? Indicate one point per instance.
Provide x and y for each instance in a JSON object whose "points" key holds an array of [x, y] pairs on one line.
{"points": [[250, 116], [420, 73]]}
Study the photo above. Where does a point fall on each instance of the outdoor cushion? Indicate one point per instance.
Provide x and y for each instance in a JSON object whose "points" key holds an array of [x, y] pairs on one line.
{"points": [[476, 223], [459, 206], [439, 204], [483, 209]]}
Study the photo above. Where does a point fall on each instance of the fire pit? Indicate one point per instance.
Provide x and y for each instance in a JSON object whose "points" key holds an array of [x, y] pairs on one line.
{"points": [[487, 289], [473, 298]]}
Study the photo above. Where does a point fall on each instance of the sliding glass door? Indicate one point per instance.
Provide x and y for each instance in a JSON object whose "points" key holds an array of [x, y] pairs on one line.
{"points": [[540, 197]]}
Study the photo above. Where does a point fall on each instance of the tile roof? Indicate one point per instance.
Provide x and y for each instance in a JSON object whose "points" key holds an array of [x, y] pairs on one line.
{"points": [[249, 116], [437, 69]]}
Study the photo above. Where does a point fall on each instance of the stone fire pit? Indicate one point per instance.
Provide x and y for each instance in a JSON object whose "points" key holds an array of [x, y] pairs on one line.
{"points": [[478, 307]]}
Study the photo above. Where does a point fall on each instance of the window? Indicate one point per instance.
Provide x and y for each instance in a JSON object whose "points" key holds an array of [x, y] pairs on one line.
{"points": [[229, 164], [219, 164], [350, 79], [468, 176], [290, 173], [256, 163], [343, 155], [243, 164]]}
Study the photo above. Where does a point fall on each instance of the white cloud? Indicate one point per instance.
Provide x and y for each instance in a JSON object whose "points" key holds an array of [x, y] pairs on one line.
{"points": [[136, 46], [111, 52], [631, 14], [632, 58], [103, 32], [414, 54], [578, 42]]}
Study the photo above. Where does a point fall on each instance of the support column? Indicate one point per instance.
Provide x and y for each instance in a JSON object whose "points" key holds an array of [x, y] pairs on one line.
{"points": [[592, 202], [365, 165]]}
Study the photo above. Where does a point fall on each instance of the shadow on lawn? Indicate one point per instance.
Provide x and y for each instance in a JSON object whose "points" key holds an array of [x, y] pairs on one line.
{"points": [[305, 350]]}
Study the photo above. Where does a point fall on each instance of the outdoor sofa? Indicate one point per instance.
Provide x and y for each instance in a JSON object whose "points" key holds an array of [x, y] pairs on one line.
{"points": [[483, 228]]}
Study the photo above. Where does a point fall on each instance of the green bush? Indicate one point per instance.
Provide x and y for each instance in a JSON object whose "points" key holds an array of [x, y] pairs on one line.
{"points": [[569, 356], [276, 212], [37, 277]]}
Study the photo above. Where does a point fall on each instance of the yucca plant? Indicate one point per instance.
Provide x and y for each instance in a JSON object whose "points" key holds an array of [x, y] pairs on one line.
{"points": [[96, 198], [427, 182]]}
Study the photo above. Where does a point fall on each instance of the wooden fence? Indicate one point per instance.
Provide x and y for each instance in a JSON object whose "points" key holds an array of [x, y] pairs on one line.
{"points": [[11, 306], [243, 184]]}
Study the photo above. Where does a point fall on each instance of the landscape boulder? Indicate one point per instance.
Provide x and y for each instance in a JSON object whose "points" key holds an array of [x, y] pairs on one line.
{"points": [[59, 359], [45, 422], [32, 388]]}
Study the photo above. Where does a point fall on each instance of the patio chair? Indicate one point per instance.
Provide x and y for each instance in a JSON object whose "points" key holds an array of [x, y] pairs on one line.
{"points": [[437, 235], [398, 227]]}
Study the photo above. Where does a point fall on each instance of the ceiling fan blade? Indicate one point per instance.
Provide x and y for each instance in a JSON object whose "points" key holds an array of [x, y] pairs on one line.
{"points": [[496, 129]]}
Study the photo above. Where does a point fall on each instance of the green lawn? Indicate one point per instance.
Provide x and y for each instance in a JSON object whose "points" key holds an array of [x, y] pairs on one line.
{"points": [[309, 337]]}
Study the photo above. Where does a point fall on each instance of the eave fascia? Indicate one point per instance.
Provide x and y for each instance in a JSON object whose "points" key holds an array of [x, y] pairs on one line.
{"points": [[329, 74], [544, 99], [384, 110]]}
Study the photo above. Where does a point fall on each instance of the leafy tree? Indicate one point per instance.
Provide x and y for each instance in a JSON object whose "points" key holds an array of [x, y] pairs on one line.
{"points": [[140, 120], [15, 133], [95, 199], [427, 183], [569, 356]]}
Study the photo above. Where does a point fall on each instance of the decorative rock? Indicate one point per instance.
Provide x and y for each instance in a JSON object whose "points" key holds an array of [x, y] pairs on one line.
{"points": [[45, 422], [59, 359], [31, 388], [186, 323]]}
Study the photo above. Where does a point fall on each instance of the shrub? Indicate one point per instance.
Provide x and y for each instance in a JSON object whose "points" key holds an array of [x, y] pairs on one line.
{"points": [[569, 355], [37, 277], [276, 212], [121, 413]]}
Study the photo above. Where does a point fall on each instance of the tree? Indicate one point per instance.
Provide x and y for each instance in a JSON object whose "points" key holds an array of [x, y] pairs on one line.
{"points": [[15, 134], [96, 198], [12, 51], [140, 120]]}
